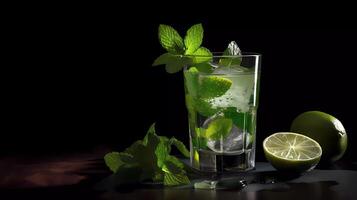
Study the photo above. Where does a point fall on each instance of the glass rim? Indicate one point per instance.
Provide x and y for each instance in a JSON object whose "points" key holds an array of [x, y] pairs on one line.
{"points": [[220, 55]]}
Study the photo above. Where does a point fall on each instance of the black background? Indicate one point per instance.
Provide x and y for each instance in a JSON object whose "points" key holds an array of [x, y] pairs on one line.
{"points": [[87, 81]]}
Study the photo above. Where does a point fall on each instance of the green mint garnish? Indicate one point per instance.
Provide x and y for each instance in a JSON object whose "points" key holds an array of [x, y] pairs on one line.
{"points": [[200, 141], [176, 64], [149, 159], [219, 128], [179, 50], [193, 39], [191, 78], [171, 40], [232, 50], [203, 55], [204, 107], [236, 117], [204, 67]]}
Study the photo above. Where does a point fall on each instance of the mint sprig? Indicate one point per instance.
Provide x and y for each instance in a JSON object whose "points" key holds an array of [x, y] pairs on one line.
{"points": [[232, 50], [170, 39], [149, 159], [181, 52], [193, 39]]}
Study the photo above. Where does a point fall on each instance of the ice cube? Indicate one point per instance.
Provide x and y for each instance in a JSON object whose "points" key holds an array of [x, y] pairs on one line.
{"points": [[233, 142]]}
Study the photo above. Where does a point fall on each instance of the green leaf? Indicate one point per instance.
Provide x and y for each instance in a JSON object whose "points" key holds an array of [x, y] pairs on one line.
{"points": [[204, 67], [147, 159], [173, 67], [177, 64], [232, 50], [204, 107], [115, 160], [219, 128], [191, 81], [180, 146], [236, 117], [151, 138], [173, 165], [171, 40], [144, 153], [192, 115], [214, 86], [190, 104], [202, 55], [164, 59], [193, 39], [162, 152], [175, 179], [200, 141], [174, 63]]}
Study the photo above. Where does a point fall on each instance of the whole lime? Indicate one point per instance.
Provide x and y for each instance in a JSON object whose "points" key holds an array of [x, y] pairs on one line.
{"points": [[326, 130]]}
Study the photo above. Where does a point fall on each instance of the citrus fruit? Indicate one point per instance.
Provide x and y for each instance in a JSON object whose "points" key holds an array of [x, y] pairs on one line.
{"points": [[326, 130], [213, 86], [292, 152]]}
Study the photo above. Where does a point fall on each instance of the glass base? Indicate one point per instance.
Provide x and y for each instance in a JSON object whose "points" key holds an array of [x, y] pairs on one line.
{"points": [[210, 161]]}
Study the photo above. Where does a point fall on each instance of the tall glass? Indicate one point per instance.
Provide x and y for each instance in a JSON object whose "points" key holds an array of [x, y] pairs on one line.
{"points": [[222, 102]]}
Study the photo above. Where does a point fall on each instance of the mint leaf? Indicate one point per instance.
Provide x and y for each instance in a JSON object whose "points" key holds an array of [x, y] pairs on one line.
{"points": [[201, 55], [180, 146], [190, 103], [170, 165], [144, 156], [177, 63], [204, 67], [175, 179], [148, 159], [144, 153], [173, 165], [164, 59], [162, 152], [193, 38], [191, 80], [200, 141], [176, 47], [174, 63], [170, 39], [232, 50], [191, 110], [151, 139], [236, 117], [204, 107], [219, 128], [115, 160]]}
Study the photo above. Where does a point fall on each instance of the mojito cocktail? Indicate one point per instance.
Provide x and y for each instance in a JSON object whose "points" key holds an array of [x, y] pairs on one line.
{"points": [[222, 106]]}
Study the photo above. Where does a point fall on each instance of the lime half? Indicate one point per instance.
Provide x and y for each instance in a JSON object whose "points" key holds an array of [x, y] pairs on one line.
{"points": [[293, 152]]}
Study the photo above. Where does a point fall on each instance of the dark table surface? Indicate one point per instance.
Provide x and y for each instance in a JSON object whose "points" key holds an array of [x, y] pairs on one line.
{"points": [[74, 176]]}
